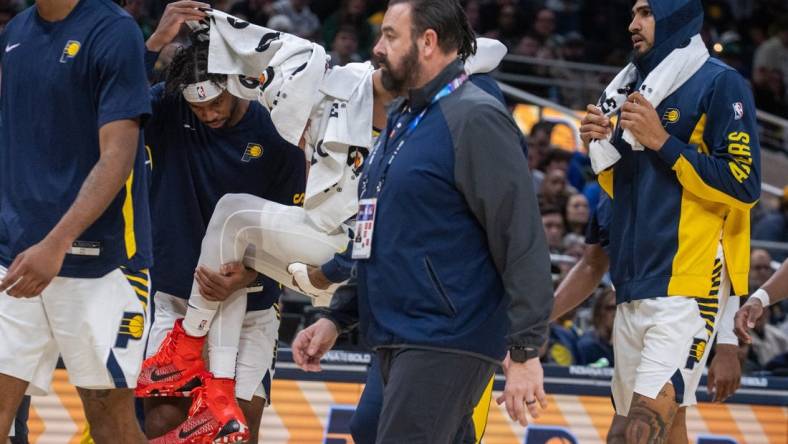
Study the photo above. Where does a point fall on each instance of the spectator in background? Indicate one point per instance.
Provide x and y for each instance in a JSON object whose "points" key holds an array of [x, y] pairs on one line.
{"points": [[473, 12], [577, 214], [305, 22], [770, 92], [566, 14], [554, 228], [597, 344], [509, 27], [768, 341], [553, 191], [353, 14], [772, 55], [774, 227], [544, 28], [538, 146], [136, 9], [760, 267], [258, 12], [345, 46], [562, 342], [574, 246]]}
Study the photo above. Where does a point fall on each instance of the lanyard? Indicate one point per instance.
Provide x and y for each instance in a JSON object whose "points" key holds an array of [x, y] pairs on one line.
{"points": [[445, 91]]}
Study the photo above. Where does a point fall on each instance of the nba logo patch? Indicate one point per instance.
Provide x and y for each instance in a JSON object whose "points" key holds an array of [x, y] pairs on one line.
{"points": [[738, 110], [253, 151], [70, 50], [201, 92]]}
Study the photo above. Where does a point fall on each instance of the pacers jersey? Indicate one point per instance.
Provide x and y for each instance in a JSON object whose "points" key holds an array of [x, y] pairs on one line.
{"points": [[61, 82], [194, 166]]}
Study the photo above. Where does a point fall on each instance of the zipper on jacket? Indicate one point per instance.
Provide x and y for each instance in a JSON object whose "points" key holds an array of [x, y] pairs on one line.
{"points": [[436, 284]]}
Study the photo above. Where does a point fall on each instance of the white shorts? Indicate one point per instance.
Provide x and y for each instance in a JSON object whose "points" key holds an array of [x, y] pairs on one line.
{"points": [[256, 351], [98, 326], [665, 340]]}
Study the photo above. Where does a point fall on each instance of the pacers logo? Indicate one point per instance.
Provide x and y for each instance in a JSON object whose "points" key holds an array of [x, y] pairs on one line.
{"points": [[672, 115], [70, 50], [131, 327], [253, 151], [696, 352]]}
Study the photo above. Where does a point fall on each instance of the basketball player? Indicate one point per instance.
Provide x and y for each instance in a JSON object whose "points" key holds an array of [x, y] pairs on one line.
{"points": [[75, 240], [206, 143], [724, 374], [679, 229]]}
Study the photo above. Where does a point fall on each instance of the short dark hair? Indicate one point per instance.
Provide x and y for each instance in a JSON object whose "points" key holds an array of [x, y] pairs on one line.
{"points": [[189, 66], [447, 18]]}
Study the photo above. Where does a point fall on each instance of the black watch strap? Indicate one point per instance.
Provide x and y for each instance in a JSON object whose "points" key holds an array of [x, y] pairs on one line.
{"points": [[522, 353]]}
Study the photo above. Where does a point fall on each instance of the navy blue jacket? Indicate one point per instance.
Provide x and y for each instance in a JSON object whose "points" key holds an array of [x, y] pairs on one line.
{"points": [[459, 260], [671, 207]]}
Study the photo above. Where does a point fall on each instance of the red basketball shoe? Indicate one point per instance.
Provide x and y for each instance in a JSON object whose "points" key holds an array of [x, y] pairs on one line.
{"points": [[175, 369], [214, 416]]}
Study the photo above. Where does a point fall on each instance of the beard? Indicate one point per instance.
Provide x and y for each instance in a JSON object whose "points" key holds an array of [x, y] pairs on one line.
{"points": [[398, 79]]}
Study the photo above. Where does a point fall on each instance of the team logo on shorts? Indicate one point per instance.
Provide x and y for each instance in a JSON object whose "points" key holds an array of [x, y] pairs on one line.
{"points": [[253, 151], [131, 327], [738, 110], [70, 50], [696, 352]]}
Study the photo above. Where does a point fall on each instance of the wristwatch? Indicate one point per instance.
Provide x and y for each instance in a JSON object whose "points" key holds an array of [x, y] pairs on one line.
{"points": [[521, 354]]}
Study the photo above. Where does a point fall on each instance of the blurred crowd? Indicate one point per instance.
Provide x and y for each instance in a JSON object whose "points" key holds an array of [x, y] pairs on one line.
{"points": [[750, 35]]}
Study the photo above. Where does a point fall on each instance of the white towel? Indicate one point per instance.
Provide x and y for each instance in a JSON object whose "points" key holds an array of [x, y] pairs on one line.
{"points": [[288, 75], [662, 81], [338, 142], [281, 71]]}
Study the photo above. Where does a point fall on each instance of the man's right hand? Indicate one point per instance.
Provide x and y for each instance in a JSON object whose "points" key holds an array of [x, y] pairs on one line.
{"points": [[745, 319], [312, 343], [595, 125], [175, 15]]}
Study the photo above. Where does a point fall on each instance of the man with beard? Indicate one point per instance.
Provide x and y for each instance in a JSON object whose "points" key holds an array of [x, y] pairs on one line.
{"points": [[683, 174], [457, 271]]}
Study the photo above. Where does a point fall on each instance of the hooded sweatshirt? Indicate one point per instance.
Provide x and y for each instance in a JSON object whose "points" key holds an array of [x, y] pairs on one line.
{"points": [[671, 208]]}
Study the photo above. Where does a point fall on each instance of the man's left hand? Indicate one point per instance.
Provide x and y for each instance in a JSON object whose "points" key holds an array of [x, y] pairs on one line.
{"points": [[641, 119], [524, 388], [218, 286], [724, 372]]}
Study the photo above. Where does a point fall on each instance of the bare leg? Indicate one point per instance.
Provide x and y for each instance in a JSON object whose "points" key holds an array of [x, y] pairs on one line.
{"points": [[678, 431], [649, 420], [111, 416], [13, 390], [253, 411], [164, 414]]}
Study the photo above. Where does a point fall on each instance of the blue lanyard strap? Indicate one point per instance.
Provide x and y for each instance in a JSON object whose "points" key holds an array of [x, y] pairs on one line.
{"points": [[445, 91]]}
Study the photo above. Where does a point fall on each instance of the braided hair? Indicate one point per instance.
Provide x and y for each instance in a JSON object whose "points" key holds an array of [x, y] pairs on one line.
{"points": [[188, 66]]}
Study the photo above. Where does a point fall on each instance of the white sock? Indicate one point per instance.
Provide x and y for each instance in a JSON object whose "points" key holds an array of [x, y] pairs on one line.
{"points": [[222, 361], [199, 315]]}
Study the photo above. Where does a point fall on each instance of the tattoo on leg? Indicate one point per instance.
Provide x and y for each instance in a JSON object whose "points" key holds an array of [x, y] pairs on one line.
{"points": [[649, 420]]}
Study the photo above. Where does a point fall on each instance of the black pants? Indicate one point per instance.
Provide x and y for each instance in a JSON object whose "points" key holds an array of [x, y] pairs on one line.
{"points": [[429, 396]]}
